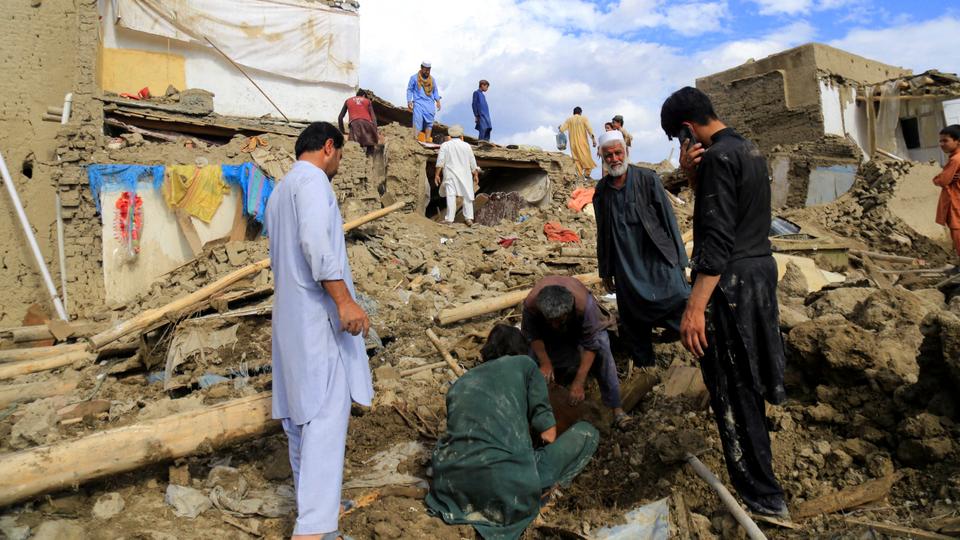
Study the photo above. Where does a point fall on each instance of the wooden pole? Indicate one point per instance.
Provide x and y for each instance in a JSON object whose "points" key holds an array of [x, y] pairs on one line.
{"points": [[29, 353], [427, 367], [41, 332], [753, 532], [372, 216], [25, 393], [44, 469], [443, 352], [23, 367], [491, 305]]}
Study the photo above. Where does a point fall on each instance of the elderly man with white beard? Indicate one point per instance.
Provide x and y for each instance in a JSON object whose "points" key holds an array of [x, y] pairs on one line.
{"points": [[640, 253]]}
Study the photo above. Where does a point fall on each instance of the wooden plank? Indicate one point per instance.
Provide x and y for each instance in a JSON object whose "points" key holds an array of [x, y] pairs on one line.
{"points": [[67, 464], [851, 497], [238, 232], [24, 367], [27, 392], [491, 305], [189, 231], [444, 352], [14, 355], [897, 530]]}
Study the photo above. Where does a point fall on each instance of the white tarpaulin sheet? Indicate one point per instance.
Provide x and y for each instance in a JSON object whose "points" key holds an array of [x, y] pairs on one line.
{"points": [[300, 39]]}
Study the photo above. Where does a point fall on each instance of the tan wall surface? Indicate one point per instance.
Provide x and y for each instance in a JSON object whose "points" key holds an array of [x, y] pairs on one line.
{"points": [[123, 70]]}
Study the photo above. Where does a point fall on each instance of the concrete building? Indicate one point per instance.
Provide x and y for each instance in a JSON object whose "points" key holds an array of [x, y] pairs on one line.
{"points": [[818, 112]]}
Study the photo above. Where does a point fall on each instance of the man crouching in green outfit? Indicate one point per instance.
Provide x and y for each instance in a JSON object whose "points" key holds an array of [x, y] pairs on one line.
{"points": [[486, 472]]}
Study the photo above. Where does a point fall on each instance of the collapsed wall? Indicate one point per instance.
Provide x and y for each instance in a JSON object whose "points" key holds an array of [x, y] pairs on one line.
{"points": [[39, 71], [891, 208]]}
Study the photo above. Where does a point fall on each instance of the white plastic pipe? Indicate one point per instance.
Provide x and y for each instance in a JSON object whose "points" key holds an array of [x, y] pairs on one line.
{"points": [[67, 105], [750, 526], [8, 181], [60, 252]]}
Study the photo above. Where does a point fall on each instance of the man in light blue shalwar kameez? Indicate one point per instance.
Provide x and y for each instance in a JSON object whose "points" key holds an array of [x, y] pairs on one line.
{"points": [[319, 358], [423, 98]]}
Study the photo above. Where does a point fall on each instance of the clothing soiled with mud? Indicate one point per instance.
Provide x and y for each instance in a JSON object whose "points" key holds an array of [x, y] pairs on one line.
{"points": [[640, 246], [486, 472], [731, 216], [744, 360]]}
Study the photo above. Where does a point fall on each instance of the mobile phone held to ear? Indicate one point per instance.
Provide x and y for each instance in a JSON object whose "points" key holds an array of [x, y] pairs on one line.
{"points": [[686, 134]]}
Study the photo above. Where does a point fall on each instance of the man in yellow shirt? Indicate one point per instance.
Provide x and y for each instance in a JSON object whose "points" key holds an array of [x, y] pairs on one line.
{"points": [[578, 127]]}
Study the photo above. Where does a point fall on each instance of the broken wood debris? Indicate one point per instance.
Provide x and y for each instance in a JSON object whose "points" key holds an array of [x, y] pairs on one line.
{"points": [[43, 469], [851, 497]]}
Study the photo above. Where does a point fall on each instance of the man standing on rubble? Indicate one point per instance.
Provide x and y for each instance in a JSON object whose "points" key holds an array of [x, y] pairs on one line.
{"points": [[363, 121], [423, 99], [567, 332], [319, 357], [578, 127], [731, 319], [481, 111], [640, 253], [457, 166], [617, 123]]}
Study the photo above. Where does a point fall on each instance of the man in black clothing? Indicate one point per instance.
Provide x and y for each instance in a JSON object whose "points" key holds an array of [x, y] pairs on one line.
{"points": [[731, 318], [640, 253]]}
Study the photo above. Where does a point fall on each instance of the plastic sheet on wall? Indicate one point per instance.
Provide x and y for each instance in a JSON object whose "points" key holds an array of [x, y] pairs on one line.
{"points": [[299, 39]]}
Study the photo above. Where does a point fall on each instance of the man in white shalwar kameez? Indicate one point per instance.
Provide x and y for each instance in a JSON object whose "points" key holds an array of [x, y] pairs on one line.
{"points": [[319, 358], [460, 173]]}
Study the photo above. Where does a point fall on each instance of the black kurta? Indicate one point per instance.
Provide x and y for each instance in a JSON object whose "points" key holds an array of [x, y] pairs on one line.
{"points": [[744, 361], [639, 245]]}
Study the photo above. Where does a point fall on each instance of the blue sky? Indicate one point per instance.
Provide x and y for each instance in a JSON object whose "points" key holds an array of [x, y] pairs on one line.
{"points": [[543, 57]]}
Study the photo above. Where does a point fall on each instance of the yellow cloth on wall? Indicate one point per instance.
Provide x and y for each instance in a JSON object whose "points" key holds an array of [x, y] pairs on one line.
{"points": [[197, 190]]}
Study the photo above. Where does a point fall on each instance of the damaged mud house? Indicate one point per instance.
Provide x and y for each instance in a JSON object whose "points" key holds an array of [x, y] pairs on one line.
{"points": [[135, 325]]}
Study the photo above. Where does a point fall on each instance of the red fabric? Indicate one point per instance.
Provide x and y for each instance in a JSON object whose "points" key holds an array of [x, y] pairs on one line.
{"points": [[948, 207], [580, 198], [144, 93], [359, 108], [507, 241], [558, 233], [128, 221]]}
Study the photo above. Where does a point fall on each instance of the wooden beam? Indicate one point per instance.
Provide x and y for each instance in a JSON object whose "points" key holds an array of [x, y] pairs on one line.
{"points": [[444, 352], [189, 303], [67, 464], [491, 305], [41, 332], [872, 490], [897, 530], [27, 392], [189, 231], [13, 355], [24, 367]]}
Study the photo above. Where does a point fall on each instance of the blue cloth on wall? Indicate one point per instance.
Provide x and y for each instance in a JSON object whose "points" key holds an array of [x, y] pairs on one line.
{"points": [[121, 177], [256, 187]]}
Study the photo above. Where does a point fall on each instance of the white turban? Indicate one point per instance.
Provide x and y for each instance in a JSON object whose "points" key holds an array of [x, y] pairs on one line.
{"points": [[425, 64], [609, 137]]}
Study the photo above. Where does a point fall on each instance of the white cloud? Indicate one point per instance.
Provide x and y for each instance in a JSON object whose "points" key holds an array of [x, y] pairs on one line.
{"points": [[912, 45], [545, 57], [797, 7]]}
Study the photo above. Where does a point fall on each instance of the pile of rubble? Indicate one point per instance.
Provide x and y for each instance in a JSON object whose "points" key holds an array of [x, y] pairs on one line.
{"points": [[871, 369]]}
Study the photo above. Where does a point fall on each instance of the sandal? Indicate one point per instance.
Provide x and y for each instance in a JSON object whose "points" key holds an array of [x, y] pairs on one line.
{"points": [[622, 421]]}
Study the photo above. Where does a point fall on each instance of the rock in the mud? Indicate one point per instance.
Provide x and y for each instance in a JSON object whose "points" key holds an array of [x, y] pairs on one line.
{"points": [[880, 465], [790, 317], [840, 301], [824, 413], [840, 352], [36, 425], [794, 283], [919, 452], [386, 531], [186, 501], [858, 449], [228, 478], [887, 309], [701, 527], [9, 529], [59, 530], [108, 505]]}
